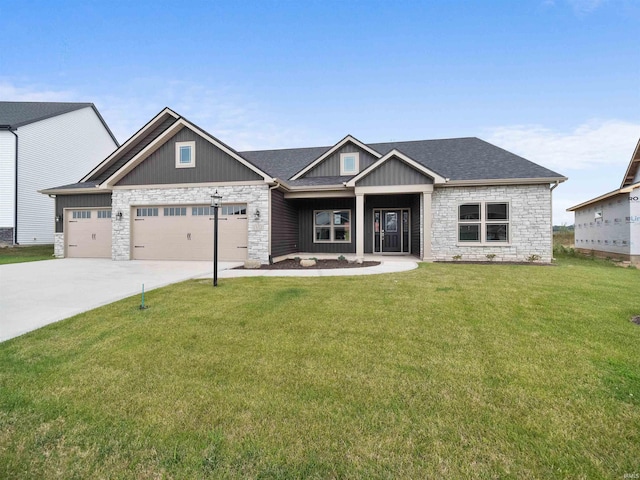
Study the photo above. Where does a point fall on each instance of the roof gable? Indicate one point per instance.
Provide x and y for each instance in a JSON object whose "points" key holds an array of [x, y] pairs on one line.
{"points": [[330, 156], [212, 164], [395, 168], [164, 137]]}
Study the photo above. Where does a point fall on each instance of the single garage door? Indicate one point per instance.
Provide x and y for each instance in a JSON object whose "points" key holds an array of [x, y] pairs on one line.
{"points": [[88, 233], [186, 232]]}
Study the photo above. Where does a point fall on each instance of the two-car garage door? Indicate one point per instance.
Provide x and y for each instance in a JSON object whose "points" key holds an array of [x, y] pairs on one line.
{"points": [[186, 232]]}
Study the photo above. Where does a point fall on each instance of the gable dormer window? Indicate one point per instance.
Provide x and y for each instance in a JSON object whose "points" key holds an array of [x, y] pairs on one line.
{"points": [[185, 154], [349, 164]]}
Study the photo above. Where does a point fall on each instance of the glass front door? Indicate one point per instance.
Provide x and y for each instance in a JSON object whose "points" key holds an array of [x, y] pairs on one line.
{"points": [[391, 230]]}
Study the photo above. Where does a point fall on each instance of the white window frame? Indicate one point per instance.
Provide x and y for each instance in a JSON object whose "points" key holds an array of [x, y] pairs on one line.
{"points": [[192, 146], [331, 226], [483, 222], [343, 171]]}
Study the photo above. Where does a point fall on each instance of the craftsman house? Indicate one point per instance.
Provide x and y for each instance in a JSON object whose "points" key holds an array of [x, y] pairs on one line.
{"points": [[432, 199]]}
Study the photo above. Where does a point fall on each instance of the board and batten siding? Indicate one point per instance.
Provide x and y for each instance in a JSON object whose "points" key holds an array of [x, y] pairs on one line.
{"points": [[88, 200], [330, 166], [55, 151], [211, 165], [394, 172], [305, 229], [132, 150], [284, 225], [7, 179]]}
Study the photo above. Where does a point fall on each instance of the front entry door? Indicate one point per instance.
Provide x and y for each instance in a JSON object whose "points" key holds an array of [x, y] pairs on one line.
{"points": [[391, 230]]}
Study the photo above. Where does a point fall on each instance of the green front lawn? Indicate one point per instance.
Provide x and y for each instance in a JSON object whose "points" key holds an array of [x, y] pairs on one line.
{"points": [[448, 371], [25, 254]]}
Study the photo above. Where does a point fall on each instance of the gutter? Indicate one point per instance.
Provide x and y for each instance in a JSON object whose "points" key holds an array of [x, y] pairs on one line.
{"points": [[8, 128]]}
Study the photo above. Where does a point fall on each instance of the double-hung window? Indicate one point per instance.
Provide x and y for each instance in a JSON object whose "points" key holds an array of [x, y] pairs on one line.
{"points": [[483, 222], [185, 154], [332, 226]]}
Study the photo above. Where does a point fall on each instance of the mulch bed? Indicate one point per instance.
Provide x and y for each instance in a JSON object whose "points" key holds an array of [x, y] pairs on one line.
{"points": [[291, 264]]}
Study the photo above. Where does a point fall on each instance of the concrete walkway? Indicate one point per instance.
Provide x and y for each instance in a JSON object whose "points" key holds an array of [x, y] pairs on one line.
{"points": [[386, 266]]}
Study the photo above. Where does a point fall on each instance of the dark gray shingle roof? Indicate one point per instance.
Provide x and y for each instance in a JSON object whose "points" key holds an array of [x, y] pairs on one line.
{"points": [[16, 114], [455, 158]]}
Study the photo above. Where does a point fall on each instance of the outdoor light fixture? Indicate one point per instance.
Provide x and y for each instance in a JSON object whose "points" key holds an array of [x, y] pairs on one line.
{"points": [[58, 218], [119, 216], [216, 199], [257, 214]]}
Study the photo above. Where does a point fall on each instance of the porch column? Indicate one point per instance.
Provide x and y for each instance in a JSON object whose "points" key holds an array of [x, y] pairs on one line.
{"points": [[360, 226], [426, 227]]}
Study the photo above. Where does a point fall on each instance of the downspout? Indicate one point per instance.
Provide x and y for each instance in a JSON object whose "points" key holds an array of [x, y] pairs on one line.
{"points": [[15, 192], [551, 211]]}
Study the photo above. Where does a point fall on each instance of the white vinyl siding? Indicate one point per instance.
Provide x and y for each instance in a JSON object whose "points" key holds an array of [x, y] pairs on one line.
{"points": [[53, 152], [7, 178]]}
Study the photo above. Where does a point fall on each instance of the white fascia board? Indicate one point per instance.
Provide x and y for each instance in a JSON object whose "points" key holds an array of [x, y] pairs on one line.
{"points": [[131, 140], [409, 161], [320, 194], [503, 181], [332, 150], [168, 133], [229, 151]]}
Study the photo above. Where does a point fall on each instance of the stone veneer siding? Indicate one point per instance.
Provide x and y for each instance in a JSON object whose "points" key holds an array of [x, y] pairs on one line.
{"points": [[58, 245], [255, 196], [530, 225]]}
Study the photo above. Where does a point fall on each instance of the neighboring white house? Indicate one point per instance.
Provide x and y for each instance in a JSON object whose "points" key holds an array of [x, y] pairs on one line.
{"points": [[41, 143], [609, 225]]}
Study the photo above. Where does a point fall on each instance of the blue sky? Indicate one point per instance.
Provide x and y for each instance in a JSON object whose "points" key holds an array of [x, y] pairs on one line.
{"points": [[557, 82]]}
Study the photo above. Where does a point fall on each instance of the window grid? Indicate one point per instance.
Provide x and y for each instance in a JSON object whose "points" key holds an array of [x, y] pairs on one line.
{"points": [[332, 226], [81, 214], [146, 212], [175, 211], [484, 222]]}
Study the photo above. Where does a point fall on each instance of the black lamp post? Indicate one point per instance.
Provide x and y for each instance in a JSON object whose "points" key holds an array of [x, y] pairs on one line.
{"points": [[215, 204]]}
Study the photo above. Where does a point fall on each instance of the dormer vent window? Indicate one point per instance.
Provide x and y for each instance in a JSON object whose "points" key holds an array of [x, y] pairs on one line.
{"points": [[185, 154], [349, 164]]}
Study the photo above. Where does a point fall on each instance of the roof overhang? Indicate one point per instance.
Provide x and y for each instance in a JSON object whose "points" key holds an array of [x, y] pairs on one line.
{"points": [[135, 137], [74, 191], [620, 191], [503, 181], [437, 178], [332, 150]]}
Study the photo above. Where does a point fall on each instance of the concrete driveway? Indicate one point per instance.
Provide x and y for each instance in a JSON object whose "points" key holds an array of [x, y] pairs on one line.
{"points": [[34, 294]]}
